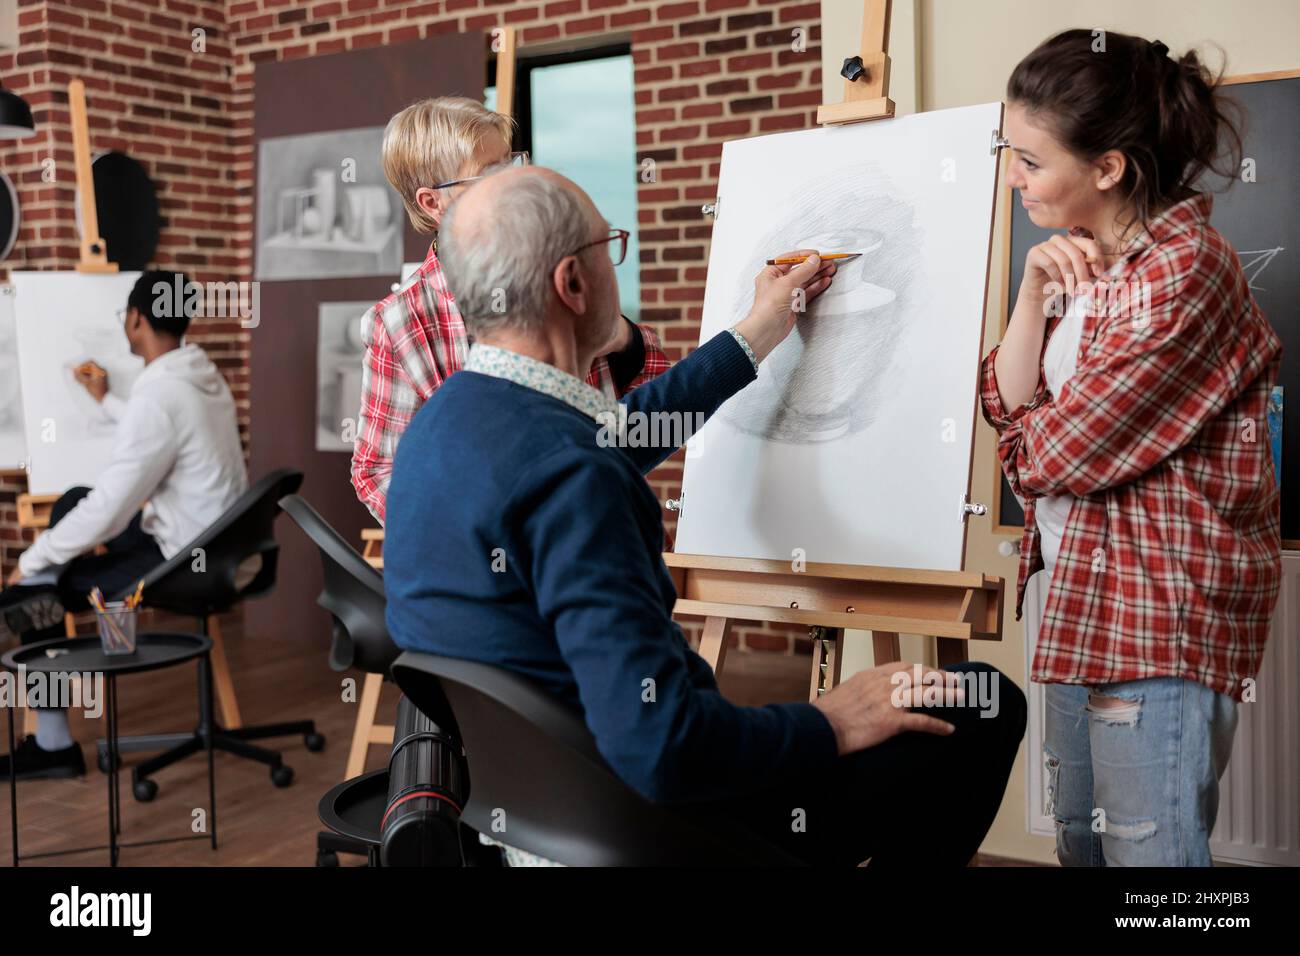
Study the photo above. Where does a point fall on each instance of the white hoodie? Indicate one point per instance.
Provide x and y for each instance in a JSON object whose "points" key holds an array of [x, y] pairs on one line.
{"points": [[176, 447]]}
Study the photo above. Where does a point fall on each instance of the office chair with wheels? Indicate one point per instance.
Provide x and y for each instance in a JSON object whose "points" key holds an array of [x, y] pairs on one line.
{"points": [[232, 560], [532, 757]]}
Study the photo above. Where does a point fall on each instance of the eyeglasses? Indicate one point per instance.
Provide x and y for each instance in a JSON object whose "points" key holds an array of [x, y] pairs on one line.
{"points": [[516, 159], [619, 234]]}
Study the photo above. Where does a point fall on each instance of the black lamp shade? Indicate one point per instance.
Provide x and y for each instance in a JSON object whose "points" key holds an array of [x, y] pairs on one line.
{"points": [[15, 116]]}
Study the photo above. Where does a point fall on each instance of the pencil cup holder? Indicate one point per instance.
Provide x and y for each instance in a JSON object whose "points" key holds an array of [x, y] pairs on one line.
{"points": [[117, 628]]}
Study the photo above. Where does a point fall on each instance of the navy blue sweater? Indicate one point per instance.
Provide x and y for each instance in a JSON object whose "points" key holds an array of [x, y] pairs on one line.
{"points": [[514, 538]]}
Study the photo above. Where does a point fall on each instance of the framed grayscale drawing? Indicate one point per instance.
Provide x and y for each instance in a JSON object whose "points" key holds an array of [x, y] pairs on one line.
{"points": [[325, 209], [340, 355]]}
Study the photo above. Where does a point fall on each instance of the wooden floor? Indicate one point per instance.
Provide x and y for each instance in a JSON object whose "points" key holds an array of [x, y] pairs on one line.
{"points": [[257, 823]]}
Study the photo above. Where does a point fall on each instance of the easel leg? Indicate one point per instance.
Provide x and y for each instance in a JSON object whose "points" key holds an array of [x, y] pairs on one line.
{"points": [[828, 655], [950, 650], [713, 642], [884, 647], [369, 705], [226, 700]]}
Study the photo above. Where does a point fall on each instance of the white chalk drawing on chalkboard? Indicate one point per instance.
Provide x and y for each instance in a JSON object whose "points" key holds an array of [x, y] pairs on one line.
{"points": [[824, 382], [1253, 267]]}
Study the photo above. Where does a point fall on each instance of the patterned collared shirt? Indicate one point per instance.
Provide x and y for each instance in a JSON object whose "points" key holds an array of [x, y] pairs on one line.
{"points": [[415, 339], [558, 384], [540, 377], [1171, 558]]}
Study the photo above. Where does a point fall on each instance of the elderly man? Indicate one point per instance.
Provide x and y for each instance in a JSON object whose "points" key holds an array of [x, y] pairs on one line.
{"points": [[415, 338], [527, 540]]}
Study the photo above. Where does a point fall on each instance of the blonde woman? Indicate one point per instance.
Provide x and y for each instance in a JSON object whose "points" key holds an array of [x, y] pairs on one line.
{"points": [[415, 338]]}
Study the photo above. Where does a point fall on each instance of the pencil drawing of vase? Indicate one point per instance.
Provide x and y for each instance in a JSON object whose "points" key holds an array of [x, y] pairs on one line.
{"points": [[366, 212], [829, 378]]}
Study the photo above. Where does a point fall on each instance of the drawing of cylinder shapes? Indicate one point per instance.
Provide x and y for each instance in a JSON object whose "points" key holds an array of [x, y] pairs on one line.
{"points": [[325, 188], [827, 379], [366, 212]]}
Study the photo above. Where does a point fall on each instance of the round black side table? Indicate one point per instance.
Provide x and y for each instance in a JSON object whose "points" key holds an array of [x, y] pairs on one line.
{"points": [[82, 655]]}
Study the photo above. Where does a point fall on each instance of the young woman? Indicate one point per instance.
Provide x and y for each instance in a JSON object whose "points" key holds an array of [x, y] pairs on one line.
{"points": [[1129, 398]]}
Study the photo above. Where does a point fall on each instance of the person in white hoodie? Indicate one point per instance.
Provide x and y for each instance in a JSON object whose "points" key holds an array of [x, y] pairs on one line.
{"points": [[177, 465]]}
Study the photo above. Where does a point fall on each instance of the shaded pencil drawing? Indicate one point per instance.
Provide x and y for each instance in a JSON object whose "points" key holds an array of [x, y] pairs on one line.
{"points": [[826, 380], [340, 355], [13, 446], [324, 207]]}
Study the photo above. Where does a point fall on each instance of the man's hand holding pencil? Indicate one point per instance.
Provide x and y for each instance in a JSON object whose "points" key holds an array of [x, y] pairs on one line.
{"points": [[93, 378]]}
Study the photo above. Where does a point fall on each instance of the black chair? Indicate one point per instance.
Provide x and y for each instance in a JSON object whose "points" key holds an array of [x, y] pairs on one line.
{"points": [[532, 757], [231, 561], [353, 593]]}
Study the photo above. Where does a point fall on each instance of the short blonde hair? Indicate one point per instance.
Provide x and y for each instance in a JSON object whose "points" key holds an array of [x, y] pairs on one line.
{"points": [[428, 142]]}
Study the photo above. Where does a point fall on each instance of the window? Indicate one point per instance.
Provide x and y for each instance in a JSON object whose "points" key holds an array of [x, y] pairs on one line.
{"points": [[576, 114]]}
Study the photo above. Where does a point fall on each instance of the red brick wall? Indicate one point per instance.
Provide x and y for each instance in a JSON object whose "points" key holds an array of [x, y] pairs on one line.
{"points": [[706, 71], [151, 95]]}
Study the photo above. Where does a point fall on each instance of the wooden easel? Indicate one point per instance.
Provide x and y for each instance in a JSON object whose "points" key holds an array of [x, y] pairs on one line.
{"points": [[506, 49], [94, 251], [866, 76], [954, 607]]}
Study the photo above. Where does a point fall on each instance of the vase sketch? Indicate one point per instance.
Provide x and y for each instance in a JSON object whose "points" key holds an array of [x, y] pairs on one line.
{"points": [[324, 182], [825, 380], [366, 212]]}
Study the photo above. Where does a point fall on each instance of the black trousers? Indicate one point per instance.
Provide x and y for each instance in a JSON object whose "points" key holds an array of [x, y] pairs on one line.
{"points": [[917, 800], [129, 557]]}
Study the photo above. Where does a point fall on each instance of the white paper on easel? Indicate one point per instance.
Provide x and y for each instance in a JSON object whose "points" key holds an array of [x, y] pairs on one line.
{"points": [[64, 319], [854, 444], [13, 444]]}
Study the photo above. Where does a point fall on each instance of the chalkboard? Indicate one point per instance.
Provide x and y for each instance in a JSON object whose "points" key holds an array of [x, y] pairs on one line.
{"points": [[1262, 221]]}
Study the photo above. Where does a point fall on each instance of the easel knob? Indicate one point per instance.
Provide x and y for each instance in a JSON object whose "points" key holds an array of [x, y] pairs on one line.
{"points": [[853, 68]]}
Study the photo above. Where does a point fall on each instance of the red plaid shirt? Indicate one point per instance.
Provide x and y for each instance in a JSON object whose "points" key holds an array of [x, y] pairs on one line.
{"points": [[1171, 559], [415, 339]]}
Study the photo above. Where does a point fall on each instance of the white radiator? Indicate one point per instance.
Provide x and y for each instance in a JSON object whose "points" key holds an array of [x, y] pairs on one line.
{"points": [[1259, 795]]}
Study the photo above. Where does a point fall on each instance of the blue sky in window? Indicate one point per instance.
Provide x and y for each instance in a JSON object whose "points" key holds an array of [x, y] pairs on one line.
{"points": [[583, 117]]}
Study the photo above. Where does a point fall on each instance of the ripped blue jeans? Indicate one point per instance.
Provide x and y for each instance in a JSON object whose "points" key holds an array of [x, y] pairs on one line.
{"points": [[1136, 784]]}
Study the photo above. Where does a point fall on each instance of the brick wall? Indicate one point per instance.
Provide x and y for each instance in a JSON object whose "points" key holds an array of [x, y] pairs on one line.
{"points": [[705, 71], [152, 95]]}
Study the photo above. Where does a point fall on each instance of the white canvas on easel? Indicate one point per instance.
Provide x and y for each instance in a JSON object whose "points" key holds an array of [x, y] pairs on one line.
{"points": [[854, 445], [64, 319], [13, 443]]}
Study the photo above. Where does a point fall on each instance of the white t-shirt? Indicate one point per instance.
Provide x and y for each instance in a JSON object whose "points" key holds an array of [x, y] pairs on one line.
{"points": [[1060, 359]]}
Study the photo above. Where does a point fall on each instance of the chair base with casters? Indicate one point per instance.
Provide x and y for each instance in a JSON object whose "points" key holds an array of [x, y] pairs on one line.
{"points": [[234, 740]]}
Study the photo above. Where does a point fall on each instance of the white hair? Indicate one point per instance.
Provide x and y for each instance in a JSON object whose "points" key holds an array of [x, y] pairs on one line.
{"points": [[499, 265]]}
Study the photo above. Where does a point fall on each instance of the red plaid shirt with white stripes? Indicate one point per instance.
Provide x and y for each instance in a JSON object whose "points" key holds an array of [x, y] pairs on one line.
{"points": [[1171, 558], [415, 339]]}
